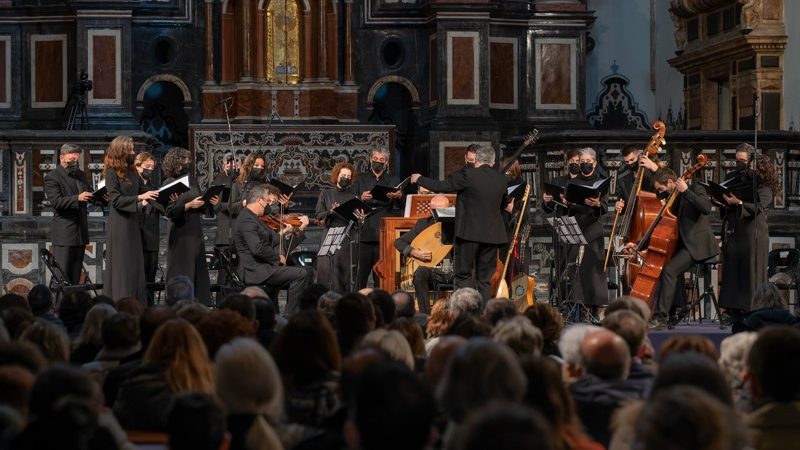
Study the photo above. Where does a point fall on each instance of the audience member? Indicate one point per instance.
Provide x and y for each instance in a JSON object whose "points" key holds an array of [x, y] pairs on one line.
{"points": [[51, 339], [176, 361], [120, 334], [17, 320], [769, 308], [403, 303], [688, 342], [632, 328], [569, 346], [191, 311], [309, 298], [196, 422], [773, 368], [307, 354], [498, 309], [265, 315], [327, 304], [11, 300], [15, 387], [549, 321], [391, 410], [413, 334], [220, 327], [469, 326], [241, 304], [439, 321], [249, 386], [40, 297], [439, 357], [520, 335], [130, 305], [90, 339], [178, 288], [385, 310], [391, 342], [355, 317], [733, 353], [507, 427], [465, 301], [72, 311], [22, 354]]}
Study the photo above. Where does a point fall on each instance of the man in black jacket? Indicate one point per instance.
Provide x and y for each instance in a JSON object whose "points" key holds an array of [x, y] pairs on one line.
{"points": [[696, 241], [68, 192], [423, 276], [479, 230], [260, 261]]}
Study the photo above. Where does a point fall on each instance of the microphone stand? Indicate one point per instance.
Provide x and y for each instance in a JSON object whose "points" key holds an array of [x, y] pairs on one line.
{"points": [[756, 114]]}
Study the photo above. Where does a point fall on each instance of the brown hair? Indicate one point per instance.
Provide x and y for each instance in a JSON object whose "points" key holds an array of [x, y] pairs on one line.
{"points": [[515, 170], [175, 161], [247, 166], [767, 175], [338, 168], [688, 342], [547, 318], [306, 349], [177, 344], [141, 158], [116, 158], [440, 319], [412, 332]]}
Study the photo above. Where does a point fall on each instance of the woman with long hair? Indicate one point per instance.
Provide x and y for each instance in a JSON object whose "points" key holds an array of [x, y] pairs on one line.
{"points": [[124, 274], [253, 172], [145, 165], [186, 252], [176, 361], [745, 233], [334, 270], [90, 340]]}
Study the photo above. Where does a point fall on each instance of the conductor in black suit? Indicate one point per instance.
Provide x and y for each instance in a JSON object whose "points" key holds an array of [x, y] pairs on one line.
{"points": [[479, 229], [258, 247], [68, 192]]}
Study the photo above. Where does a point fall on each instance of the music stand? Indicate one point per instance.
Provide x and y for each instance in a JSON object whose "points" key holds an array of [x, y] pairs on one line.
{"points": [[333, 240], [569, 233]]}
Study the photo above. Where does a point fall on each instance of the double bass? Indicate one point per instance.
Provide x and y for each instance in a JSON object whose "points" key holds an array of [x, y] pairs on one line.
{"points": [[662, 239], [641, 208]]}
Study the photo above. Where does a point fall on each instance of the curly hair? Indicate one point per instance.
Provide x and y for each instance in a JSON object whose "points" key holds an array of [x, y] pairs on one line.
{"points": [[767, 176], [176, 161], [116, 158], [338, 169], [247, 166]]}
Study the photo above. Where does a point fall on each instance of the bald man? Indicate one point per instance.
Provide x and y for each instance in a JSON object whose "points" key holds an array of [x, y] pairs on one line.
{"points": [[424, 276]]}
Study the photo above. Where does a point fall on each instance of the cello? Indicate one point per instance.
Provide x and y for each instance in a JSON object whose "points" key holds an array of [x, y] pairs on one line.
{"points": [[638, 216], [662, 238]]}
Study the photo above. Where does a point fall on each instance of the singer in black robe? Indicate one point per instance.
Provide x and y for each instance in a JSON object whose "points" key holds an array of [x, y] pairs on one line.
{"points": [[334, 270], [252, 174]]}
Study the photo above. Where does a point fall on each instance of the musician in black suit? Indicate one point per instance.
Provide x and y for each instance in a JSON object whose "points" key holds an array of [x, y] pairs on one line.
{"points": [[479, 230], [68, 192], [369, 245], [149, 220], [634, 161], [423, 276], [696, 241], [258, 247]]}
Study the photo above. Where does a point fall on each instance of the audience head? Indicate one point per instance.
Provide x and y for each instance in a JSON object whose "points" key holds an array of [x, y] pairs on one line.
{"points": [[220, 327], [498, 309], [177, 344], [265, 314], [309, 298], [12, 300], [195, 422], [773, 365], [50, 338], [241, 304], [507, 427], [355, 317], [179, 287], [629, 326], [41, 299], [548, 394], [15, 387], [120, 331], [306, 349], [393, 343], [480, 373], [440, 319], [469, 326], [98, 299], [465, 301], [392, 409], [91, 331], [520, 335], [191, 311], [403, 303], [58, 383], [248, 381], [569, 345], [130, 305], [626, 302], [384, 305], [733, 353], [688, 418], [766, 296], [17, 320], [688, 342], [693, 369], [354, 365], [413, 334], [548, 320], [440, 356], [605, 355], [255, 292], [22, 354], [151, 319]]}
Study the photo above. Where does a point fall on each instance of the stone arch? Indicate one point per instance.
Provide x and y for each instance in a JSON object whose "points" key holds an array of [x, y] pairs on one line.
{"points": [[405, 82], [187, 96]]}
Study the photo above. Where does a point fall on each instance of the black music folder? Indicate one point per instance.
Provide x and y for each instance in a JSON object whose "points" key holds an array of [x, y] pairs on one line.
{"points": [[578, 193], [221, 190], [740, 187], [100, 192], [179, 186], [447, 216], [554, 190], [380, 193], [347, 209], [286, 189]]}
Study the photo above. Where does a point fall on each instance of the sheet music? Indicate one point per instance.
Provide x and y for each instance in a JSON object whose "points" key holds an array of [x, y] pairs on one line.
{"points": [[184, 179]]}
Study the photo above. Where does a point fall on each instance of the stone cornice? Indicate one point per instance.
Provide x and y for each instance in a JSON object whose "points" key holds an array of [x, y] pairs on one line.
{"points": [[743, 46], [688, 8]]}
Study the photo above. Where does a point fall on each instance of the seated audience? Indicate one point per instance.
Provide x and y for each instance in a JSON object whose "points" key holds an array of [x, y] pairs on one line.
{"points": [[569, 347], [438, 322], [17, 319], [773, 368], [40, 297], [498, 309], [392, 343], [465, 301], [469, 326], [507, 427], [90, 339], [220, 327], [733, 353], [384, 307], [51, 339], [549, 321], [520, 335], [688, 342], [629, 326], [15, 387], [265, 315], [179, 288], [354, 317], [440, 356], [413, 334], [120, 334], [769, 308], [403, 304], [196, 422], [309, 298], [130, 305], [72, 311]]}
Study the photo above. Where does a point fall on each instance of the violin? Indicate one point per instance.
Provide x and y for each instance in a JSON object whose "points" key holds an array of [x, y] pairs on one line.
{"points": [[276, 221]]}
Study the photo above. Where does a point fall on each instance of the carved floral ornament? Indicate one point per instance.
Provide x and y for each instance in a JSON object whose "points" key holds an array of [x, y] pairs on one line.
{"points": [[680, 10]]}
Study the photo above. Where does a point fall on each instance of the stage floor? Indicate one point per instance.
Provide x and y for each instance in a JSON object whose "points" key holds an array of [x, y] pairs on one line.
{"points": [[707, 329]]}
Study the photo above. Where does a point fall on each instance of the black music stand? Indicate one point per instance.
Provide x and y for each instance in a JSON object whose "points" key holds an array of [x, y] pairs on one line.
{"points": [[332, 243], [569, 233]]}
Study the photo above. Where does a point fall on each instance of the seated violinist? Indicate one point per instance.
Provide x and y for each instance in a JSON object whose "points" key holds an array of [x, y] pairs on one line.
{"points": [[691, 206], [261, 260], [424, 277]]}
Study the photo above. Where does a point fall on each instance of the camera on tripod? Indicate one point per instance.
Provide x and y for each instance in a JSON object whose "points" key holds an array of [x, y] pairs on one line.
{"points": [[77, 102]]}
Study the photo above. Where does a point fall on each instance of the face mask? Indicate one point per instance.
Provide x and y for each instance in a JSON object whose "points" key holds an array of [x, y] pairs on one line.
{"points": [[72, 166], [574, 168], [274, 208], [469, 164], [633, 166], [741, 165], [147, 173], [256, 173], [377, 167], [344, 182], [587, 168], [662, 195]]}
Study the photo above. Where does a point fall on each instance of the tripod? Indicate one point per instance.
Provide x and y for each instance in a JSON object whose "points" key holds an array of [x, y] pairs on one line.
{"points": [[78, 110]]}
